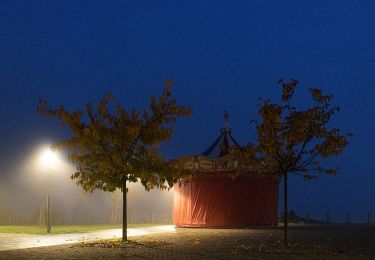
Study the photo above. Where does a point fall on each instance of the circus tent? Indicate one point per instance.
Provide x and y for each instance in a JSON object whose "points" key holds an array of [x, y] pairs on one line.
{"points": [[215, 199]]}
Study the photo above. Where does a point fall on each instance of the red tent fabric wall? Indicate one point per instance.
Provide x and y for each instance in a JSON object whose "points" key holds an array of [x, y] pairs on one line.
{"points": [[215, 200]]}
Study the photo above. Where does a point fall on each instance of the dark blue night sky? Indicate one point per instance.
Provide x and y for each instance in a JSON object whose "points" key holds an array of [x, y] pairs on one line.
{"points": [[222, 55]]}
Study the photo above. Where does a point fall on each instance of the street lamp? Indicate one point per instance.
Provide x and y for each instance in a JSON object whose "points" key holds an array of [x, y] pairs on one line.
{"points": [[49, 158]]}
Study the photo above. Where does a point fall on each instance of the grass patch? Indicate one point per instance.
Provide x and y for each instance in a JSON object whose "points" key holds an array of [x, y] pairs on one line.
{"points": [[39, 230]]}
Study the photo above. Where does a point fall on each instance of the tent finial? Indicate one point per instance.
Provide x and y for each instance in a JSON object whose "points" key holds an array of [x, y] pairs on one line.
{"points": [[226, 128], [226, 119]]}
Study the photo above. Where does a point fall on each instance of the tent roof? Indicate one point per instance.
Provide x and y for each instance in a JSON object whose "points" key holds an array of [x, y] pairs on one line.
{"points": [[223, 143], [216, 157]]}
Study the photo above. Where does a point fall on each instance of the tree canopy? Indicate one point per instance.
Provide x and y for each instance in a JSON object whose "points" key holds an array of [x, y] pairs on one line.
{"points": [[110, 145], [293, 140]]}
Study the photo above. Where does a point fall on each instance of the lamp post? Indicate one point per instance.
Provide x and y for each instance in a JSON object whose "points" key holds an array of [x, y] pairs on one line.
{"points": [[48, 160], [49, 204]]}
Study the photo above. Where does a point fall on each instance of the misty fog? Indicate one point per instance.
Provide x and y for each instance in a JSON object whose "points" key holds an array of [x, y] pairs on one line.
{"points": [[23, 197]]}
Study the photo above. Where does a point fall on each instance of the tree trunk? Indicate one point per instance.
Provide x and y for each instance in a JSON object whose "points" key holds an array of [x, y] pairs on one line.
{"points": [[124, 214], [285, 209]]}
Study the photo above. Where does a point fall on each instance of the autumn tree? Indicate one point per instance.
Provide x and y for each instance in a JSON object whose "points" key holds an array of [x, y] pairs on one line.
{"points": [[111, 146], [295, 140]]}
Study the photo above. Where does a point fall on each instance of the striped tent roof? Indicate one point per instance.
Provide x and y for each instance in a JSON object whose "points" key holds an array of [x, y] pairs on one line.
{"points": [[223, 143]]}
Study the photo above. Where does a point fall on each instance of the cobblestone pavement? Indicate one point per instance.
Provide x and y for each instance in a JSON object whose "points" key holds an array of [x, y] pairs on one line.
{"points": [[309, 242]]}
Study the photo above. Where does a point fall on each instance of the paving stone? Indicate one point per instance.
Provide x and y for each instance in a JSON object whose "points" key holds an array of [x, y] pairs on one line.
{"points": [[308, 242]]}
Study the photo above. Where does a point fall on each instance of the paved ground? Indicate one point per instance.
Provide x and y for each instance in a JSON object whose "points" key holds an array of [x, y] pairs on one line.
{"points": [[20, 241], [308, 242]]}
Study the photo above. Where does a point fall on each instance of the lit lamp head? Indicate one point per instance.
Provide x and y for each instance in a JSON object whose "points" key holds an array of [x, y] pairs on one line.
{"points": [[48, 158]]}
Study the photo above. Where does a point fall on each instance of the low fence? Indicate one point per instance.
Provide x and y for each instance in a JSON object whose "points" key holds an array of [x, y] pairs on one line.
{"points": [[138, 217], [85, 218], [13, 219], [330, 218]]}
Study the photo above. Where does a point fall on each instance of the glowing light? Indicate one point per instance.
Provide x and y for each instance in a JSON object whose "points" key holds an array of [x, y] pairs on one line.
{"points": [[48, 159]]}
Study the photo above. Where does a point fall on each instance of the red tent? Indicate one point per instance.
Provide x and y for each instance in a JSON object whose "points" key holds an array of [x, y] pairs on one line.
{"points": [[212, 199]]}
